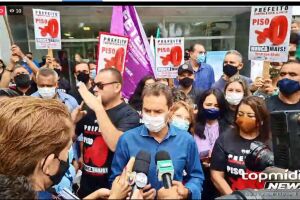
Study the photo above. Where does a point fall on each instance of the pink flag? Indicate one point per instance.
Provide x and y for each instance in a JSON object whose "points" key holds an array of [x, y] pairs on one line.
{"points": [[140, 60]]}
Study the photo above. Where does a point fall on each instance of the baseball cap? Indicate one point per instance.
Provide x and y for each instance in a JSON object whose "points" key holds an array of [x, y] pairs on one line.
{"points": [[185, 67]]}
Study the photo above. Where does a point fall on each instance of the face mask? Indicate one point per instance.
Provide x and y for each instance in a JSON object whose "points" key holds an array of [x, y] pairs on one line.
{"points": [[229, 70], [83, 77], [181, 123], [58, 72], [246, 124], [288, 86], [47, 92], [93, 74], [154, 124], [201, 58], [63, 168], [186, 82], [212, 113], [22, 80], [234, 98]]}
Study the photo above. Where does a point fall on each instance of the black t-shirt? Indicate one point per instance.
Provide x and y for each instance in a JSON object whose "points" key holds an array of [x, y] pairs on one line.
{"points": [[97, 157], [228, 155], [275, 104]]}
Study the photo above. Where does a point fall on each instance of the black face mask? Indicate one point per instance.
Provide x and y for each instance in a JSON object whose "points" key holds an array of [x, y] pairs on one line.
{"points": [[186, 82], [229, 70], [63, 168], [22, 80], [83, 77], [58, 72]]}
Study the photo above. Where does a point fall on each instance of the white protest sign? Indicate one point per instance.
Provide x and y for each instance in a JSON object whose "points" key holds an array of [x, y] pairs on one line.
{"points": [[112, 51], [269, 33], [47, 29], [169, 55]]}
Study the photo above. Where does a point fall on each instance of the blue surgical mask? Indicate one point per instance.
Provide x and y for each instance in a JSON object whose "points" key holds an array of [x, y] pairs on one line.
{"points": [[288, 86], [93, 74], [180, 123], [201, 58]]}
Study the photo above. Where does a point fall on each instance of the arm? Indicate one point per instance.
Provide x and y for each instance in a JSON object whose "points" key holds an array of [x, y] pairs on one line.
{"points": [[17, 51], [212, 77], [6, 76], [220, 183], [195, 175]]}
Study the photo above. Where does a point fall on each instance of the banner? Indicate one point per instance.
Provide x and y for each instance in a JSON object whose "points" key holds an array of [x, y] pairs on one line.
{"points": [[47, 29], [269, 33], [112, 51], [169, 54], [140, 60]]}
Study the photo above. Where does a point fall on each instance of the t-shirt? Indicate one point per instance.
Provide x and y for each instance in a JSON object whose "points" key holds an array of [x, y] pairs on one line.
{"points": [[97, 157], [228, 155], [275, 104], [220, 84]]}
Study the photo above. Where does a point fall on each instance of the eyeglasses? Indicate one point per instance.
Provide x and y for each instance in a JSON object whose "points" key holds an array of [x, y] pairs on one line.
{"points": [[101, 85]]}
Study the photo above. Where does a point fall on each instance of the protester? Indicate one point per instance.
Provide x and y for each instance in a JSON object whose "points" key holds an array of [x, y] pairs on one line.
{"points": [[227, 164], [268, 87], [209, 125], [294, 42], [155, 134], [179, 95], [235, 90], [136, 99], [233, 63], [63, 83], [16, 187], [81, 73], [204, 73], [186, 78], [38, 136], [295, 26], [181, 115], [47, 83], [108, 118], [29, 55], [92, 67], [289, 89]]}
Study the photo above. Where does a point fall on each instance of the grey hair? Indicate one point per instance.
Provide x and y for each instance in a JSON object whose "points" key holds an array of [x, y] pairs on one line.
{"points": [[44, 71], [235, 52]]}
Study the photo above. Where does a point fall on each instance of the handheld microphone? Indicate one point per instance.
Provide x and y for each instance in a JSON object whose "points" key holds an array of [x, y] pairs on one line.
{"points": [[140, 170], [165, 169]]}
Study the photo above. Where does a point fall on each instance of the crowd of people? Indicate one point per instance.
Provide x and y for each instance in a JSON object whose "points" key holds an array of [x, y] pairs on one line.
{"points": [[81, 138]]}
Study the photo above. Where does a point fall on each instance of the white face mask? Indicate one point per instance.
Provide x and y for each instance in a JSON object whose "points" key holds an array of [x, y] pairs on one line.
{"points": [[93, 74], [234, 98], [154, 124], [47, 92]]}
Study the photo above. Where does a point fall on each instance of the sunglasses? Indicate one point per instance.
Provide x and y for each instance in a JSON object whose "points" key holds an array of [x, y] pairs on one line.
{"points": [[101, 85]]}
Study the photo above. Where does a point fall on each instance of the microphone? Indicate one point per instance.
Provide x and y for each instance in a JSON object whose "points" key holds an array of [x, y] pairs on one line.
{"points": [[165, 169], [140, 170]]}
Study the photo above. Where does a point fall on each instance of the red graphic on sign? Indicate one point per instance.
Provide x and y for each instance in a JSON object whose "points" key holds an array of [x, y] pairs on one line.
{"points": [[2, 10], [52, 29], [174, 57], [116, 61], [97, 153], [276, 32]]}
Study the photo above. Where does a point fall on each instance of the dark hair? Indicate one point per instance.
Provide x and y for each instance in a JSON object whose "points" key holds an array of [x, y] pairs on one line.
{"points": [[6, 92], [192, 47], [13, 187], [157, 89], [262, 116], [179, 95], [4, 66], [78, 63], [200, 117], [136, 99], [294, 38], [115, 73], [28, 53]]}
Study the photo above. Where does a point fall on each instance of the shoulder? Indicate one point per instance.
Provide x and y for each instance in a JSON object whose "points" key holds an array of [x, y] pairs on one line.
{"points": [[65, 96], [132, 133], [228, 135], [181, 134], [35, 94], [247, 79], [127, 110]]}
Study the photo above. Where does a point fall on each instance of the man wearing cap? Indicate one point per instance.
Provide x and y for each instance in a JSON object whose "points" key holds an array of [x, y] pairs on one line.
{"points": [[186, 78]]}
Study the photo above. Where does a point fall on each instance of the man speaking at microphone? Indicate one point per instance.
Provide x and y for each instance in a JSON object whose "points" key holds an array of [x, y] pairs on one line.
{"points": [[157, 135]]}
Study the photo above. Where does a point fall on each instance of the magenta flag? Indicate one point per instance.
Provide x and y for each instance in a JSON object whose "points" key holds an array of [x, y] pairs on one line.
{"points": [[140, 60]]}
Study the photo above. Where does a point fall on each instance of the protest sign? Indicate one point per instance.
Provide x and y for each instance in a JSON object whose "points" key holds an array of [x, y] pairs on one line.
{"points": [[112, 51], [169, 55], [47, 29], [269, 33]]}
